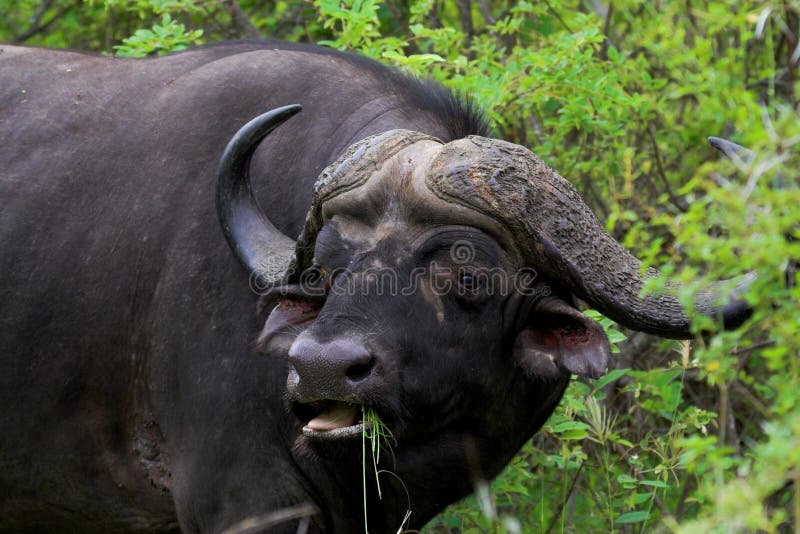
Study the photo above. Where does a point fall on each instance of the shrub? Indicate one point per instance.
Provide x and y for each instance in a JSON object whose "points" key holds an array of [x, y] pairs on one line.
{"points": [[699, 436]]}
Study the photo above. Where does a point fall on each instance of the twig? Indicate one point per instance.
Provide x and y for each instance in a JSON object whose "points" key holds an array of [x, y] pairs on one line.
{"points": [[690, 15], [674, 200], [564, 504], [36, 22], [557, 16], [434, 22], [754, 401], [37, 26], [741, 351], [599, 201], [640, 477], [796, 482], [606, 30], [791, 44], [241, 21], [486, 11], [682, 500], [465, 18], [723, 412]]}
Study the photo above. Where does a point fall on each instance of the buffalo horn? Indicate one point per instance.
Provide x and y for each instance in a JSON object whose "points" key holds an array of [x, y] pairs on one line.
{"points": [[732, 150], [261, 248], [560, 237]]}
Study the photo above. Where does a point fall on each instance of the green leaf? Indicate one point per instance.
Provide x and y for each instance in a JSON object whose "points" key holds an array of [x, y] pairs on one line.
{"points": [[570, 425], [576, 434], [654, 483], [609, 377], [633, 517]]}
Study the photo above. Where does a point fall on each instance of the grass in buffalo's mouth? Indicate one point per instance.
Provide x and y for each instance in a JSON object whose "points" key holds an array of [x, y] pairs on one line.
{"points": [[374, 431]]}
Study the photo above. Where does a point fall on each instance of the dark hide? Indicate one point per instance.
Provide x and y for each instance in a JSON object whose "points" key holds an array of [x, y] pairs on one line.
{"points": [[136, 392]]}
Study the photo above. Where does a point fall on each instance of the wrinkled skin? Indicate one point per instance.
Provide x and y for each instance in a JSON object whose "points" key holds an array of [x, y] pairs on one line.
{"points": [[454, 411], [439, 400], [141, 390]]}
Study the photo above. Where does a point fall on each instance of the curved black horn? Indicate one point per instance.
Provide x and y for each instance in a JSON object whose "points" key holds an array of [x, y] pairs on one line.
{"points": [[731, 149], [260, 247]]}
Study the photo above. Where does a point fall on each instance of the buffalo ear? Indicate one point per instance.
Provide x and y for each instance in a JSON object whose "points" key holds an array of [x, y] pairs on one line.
{"points": [[557, 338], [288, 316]]}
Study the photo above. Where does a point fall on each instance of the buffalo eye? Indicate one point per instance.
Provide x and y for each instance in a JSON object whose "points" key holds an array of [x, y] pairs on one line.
{"points": [[471, 284]]}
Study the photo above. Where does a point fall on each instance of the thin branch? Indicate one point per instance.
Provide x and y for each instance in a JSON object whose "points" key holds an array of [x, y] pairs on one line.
{"points": [[791, 45], [433, 20], [35, 22], [690, 15], [752, 399], [722, 409], [588, 184], [557, 16], [564, 504], [37, 26], [400, 12], [486, 12], [640, 477], [465, 18], [741, 351], [241, 21], [606, 31], [682, 499], [674, 200]]}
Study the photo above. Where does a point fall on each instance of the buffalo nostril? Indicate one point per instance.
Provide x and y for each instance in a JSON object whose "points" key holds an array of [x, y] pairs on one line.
{"points": [[330, 369], [360, 371]]}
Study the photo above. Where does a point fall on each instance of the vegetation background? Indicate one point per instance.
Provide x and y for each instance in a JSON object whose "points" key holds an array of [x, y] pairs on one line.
{"points": [[619, 95]]}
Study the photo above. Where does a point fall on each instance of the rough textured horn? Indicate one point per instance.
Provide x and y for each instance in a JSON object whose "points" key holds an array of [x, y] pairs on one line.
{"points": [[351, 170], [259, 246], [560, 236]]}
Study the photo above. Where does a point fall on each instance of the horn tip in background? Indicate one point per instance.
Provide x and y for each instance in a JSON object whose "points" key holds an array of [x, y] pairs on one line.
{"points": [[731, 149]]}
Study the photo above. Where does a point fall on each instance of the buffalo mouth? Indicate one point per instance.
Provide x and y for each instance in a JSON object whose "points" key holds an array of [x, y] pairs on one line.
{"points": [[330, 419]]}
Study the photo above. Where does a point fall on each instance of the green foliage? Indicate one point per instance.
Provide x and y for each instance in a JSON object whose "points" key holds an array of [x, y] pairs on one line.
{"points": [[619, 97], [356, 21], [168, 36], [159, 7]]}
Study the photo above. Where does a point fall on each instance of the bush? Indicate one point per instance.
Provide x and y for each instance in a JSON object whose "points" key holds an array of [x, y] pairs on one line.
{"points": [[700, 436]]}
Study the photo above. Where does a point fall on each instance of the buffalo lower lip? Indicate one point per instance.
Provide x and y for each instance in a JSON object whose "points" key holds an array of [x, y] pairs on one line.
{"points": [[333, 419], [336, 433]]}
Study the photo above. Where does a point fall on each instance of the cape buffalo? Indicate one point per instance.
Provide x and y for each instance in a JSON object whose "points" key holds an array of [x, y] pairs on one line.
{"points": [[141, 388]]}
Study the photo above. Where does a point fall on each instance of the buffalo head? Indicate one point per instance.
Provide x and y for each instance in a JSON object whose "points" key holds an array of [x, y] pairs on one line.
{"points": [[436, 284]]}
